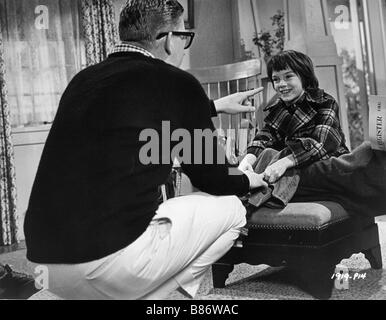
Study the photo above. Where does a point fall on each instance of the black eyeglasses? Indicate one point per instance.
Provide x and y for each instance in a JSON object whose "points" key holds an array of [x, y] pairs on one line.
{"points": [[184, 35]]}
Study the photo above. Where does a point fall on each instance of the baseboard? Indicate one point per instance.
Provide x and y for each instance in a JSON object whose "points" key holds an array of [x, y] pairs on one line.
{"points": [[12, 248]]}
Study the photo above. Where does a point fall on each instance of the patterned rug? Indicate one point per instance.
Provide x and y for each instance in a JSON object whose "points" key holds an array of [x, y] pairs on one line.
{"points": [[263, 282]]}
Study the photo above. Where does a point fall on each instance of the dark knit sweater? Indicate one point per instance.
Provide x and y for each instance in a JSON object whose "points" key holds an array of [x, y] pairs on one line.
{"points": [[92, 196]]}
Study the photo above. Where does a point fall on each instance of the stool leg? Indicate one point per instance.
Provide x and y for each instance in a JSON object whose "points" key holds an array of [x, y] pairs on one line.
{"points": [[316, 280], [220, 273], [374, 255]]}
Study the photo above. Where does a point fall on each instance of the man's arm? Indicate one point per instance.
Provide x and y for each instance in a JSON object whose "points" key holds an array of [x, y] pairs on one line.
{"points": [[236, 103], [209, 169]]}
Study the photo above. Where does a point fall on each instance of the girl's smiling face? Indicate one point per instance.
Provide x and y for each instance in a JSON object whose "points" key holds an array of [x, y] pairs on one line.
{"points": [[287, 84]]}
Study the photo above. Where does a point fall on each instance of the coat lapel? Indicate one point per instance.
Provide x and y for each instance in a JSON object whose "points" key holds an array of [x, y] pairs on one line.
{"points": [[301, 117], [280, 119]]}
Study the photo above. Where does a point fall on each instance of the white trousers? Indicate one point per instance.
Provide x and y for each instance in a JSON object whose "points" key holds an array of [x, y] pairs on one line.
{"points": [[164, 258]]}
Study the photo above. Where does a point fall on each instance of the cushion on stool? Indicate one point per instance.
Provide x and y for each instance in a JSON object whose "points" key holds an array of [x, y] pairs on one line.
{"points": [[308, 215]]}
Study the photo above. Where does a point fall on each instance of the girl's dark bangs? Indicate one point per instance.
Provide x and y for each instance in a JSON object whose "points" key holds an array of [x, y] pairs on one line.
{"points": [[280, 63]]}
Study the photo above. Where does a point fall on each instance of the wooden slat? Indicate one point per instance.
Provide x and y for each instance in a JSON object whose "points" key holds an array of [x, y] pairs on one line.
{"points": [[230, 79], [228, 72]]}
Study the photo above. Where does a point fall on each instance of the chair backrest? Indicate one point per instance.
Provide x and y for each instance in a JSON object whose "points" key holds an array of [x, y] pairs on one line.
{"points": [[219, 81]]}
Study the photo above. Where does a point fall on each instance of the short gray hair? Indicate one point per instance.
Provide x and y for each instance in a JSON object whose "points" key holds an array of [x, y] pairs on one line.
{"points": [[142, 20]]}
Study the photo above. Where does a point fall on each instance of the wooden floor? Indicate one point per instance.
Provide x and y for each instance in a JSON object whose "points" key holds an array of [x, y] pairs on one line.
{"points": [[15, 247], [22, 245]]}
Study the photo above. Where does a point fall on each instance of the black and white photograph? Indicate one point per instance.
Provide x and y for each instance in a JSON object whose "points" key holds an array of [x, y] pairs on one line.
{"points": [[178, 152]]}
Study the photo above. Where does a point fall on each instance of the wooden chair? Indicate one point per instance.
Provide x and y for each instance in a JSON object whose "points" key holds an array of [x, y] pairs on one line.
{"points": [[227, 79], [219, 82], [310, 239]]}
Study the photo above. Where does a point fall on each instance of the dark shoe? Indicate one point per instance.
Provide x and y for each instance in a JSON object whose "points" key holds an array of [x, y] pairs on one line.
{"points": [[15, 285]]}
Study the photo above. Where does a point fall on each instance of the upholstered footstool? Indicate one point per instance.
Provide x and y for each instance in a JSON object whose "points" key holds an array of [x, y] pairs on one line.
{"points": [[309, 239]]}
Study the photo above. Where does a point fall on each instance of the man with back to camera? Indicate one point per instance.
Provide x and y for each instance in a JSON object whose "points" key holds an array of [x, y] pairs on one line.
{"points": [[93, 216]]}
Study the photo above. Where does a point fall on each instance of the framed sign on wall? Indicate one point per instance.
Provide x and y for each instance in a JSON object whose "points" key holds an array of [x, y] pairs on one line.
{"points": [[189, 13]]}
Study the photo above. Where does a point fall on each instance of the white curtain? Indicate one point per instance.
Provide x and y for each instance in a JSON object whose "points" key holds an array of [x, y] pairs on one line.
{"points": [[42, 52]]}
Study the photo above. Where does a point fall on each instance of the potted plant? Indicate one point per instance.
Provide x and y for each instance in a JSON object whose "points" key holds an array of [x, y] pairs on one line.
{"points": [[272, 42]]}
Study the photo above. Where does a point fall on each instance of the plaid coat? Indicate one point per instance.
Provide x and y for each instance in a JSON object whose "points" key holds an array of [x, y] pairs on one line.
{"points": [[309, 129]]}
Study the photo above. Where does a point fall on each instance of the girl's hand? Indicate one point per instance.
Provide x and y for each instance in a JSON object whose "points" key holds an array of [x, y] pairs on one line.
{"points": [[247, 163], [275, 171]]}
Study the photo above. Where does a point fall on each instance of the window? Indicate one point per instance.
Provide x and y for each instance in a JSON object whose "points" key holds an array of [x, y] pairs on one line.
{"points": [[348, 29], [43, 51]]}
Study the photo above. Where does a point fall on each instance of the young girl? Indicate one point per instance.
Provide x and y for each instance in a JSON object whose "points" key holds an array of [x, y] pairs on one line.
{"points": [[303, 122]]}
